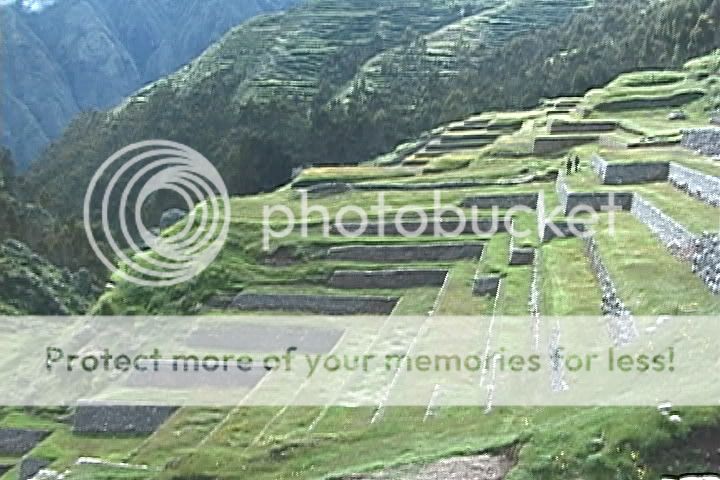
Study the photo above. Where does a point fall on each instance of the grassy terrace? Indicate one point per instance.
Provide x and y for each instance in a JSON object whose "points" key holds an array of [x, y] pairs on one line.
{"points": [[695, 215], [678, 155], [568, 286], [325, 443], [633, 256]]}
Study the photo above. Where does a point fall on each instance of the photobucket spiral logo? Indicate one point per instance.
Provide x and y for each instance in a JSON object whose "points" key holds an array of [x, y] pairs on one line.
{"points": [[130, 188]]}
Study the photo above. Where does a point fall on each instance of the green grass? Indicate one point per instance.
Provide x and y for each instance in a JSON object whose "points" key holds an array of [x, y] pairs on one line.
{"points": [[634, 256], [589, 443], [568, 285]]}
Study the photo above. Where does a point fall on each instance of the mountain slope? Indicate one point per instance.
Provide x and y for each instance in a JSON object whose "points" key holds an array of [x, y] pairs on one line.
{"points": [[78, 55], [266, 90]]}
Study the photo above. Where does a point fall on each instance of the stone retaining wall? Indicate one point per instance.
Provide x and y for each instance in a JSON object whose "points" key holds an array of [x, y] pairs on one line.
{"points": [[534, 301], [387, 279], [551, 144], [119, 419], [30, 467], [622, 325], [715, 118], [674, 236], [562, 190], [702, 140], [563, 230], [696, 184], [486, 286], [597, 201], [638, 103], [317, 304], [629, 173], [522, 256], [564, 126], [405, 253], [16, 441], [504, 202], [434, 227], [706, 261]]}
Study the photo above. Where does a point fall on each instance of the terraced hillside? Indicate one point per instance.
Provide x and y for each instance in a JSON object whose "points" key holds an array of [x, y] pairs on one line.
{"points": [[636, 138], [270, 88], [462, 42]]}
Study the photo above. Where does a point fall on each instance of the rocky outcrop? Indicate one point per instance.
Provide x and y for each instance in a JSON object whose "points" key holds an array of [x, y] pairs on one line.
{"points": [[317, 304], [404, 253], [171, 217], [696, 184], [119, 419], [92, 53], [702, 140]]}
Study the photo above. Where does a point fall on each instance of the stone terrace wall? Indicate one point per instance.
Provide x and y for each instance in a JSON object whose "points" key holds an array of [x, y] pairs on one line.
{"points": [[15, 442], [438, 228], [562, 190], [522, 256], [630, 173], [318, 304], [487, 202], [599, 166], [563, 126], [611, 303], [563, 230], [696, 184], [593, 200], [597, 201], [674, 236], [30, 467], [386, 279], [404, 253], [551, 144], [703, 140], [706, 261], [119, 419], [486, 286]]}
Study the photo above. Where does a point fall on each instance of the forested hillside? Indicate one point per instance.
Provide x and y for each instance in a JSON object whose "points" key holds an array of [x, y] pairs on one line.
{"points": [[76, 55], [262, 100]]}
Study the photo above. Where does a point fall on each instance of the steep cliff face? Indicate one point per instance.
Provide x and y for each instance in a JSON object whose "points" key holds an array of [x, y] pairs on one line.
{"points": [[78, 55]]}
